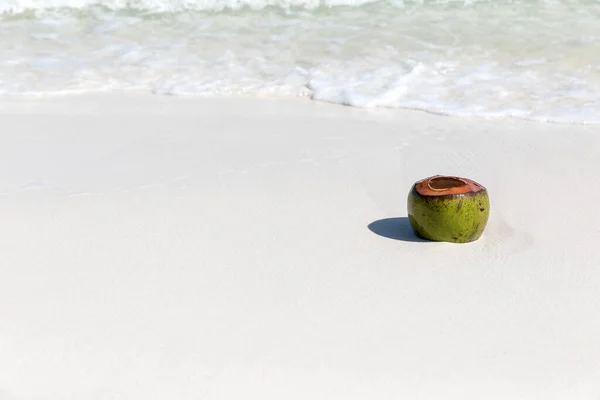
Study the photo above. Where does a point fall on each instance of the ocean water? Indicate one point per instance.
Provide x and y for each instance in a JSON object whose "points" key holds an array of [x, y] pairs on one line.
{"points": [[522, 58]]}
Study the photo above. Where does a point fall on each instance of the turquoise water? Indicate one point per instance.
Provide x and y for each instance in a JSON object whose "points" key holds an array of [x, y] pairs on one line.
{"points": [[528, 59]]}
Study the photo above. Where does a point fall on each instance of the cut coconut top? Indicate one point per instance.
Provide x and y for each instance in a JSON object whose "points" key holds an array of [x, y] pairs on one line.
{"points": [[440, 185]]}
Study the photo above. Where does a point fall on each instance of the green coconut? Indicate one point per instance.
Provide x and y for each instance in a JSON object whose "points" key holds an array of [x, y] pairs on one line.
{"points": [[448, 209]]}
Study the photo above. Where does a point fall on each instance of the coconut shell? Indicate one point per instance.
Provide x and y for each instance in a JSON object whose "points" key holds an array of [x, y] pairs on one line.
{"points": [[448, 209]]}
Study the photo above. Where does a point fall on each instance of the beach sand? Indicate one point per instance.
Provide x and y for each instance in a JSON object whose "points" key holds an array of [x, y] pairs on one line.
{"points": [[173, 249]]}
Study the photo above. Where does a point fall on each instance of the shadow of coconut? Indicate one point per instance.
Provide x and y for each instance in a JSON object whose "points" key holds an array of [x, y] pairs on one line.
{"points": [[395, 228]]}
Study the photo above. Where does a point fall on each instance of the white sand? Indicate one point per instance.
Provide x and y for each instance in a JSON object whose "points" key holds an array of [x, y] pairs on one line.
{"points": [[174, 249]]}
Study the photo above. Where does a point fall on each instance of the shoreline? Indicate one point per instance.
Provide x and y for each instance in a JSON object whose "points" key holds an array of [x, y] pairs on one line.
{"points": [[175, 248], [10, 104]]}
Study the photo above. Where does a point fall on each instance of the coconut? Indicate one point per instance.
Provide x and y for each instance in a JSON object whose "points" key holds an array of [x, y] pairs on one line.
{"points": [[448, 209]]}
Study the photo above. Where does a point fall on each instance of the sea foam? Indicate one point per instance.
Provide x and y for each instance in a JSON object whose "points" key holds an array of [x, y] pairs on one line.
{"points": [[520, 58]]}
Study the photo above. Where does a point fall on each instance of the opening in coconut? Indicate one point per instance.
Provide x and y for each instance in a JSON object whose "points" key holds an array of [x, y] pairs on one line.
{"points": [[445, 183]]}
